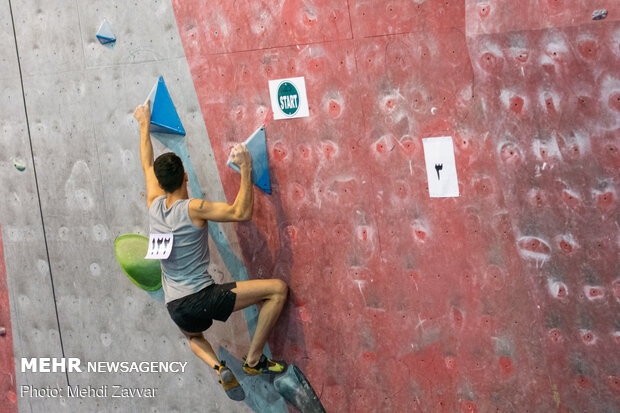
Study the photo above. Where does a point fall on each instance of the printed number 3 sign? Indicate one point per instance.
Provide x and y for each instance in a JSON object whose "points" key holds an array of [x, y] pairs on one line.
{"points": [[440, 167]]}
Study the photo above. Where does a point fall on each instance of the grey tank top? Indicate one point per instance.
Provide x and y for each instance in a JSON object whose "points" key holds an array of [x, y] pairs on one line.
{"points": [[186, 269]]}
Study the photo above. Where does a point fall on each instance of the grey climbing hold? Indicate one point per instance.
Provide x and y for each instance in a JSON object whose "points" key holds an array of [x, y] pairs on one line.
{"points": [[296, 389], [19, 164], [2, 331], [599, 14]]}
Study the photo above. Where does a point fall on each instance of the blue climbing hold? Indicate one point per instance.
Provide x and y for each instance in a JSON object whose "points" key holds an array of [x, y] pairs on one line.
{"points": [[105, 34], [257, 146], [164, 117]]}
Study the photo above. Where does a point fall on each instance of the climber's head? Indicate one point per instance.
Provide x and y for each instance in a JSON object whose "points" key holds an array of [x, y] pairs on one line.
{"points": [[169, 171]]}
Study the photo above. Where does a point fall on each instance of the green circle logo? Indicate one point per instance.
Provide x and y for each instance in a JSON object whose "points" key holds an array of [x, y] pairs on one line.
{"points": [[288, 98]]}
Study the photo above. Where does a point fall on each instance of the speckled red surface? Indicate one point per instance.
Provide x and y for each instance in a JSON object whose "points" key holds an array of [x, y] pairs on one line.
{"points": [[8, 395], [504, 299]]}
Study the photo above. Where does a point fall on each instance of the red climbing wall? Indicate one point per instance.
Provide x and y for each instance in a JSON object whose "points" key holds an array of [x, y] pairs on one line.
{"points": [[8, 395], [556, 142], [500, 300]]}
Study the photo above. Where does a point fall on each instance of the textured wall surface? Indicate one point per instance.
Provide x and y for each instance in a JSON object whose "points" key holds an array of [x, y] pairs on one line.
{"points": [[504, 299], [79, 98], [7, 379], [557, 147]]}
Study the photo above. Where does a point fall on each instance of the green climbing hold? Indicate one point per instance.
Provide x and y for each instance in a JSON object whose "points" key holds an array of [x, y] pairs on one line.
{"points": [[130, 251]]}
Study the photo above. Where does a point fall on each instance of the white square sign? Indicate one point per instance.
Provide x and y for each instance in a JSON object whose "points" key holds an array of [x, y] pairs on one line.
{"points": [[288, 98], [160, 246], [440, 167]]}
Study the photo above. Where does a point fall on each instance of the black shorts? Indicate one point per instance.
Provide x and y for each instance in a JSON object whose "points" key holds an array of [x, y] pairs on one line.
{"points": [[195, 313]]}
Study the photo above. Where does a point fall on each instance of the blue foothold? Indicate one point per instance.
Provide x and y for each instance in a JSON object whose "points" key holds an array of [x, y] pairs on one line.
{"points": [[257, 146], [105, 34]]}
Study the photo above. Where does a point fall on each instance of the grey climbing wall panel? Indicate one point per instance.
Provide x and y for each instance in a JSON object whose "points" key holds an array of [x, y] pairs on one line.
{"points": [[80, 98]]}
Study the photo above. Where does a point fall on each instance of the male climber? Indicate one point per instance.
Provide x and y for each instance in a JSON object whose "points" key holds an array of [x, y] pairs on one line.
{"points": [[192, 297]]}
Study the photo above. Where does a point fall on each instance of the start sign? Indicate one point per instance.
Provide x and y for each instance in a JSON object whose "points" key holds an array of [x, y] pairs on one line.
{"points": [[288, 98]]}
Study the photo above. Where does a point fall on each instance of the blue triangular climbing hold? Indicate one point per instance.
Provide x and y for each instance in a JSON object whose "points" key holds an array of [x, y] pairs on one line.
{"points": [[257, 146], [164, 117], [105, 34]]}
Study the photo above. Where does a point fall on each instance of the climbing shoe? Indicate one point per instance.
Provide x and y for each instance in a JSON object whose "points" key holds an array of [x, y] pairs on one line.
{"points": [[264, 366], [229, 382]]}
